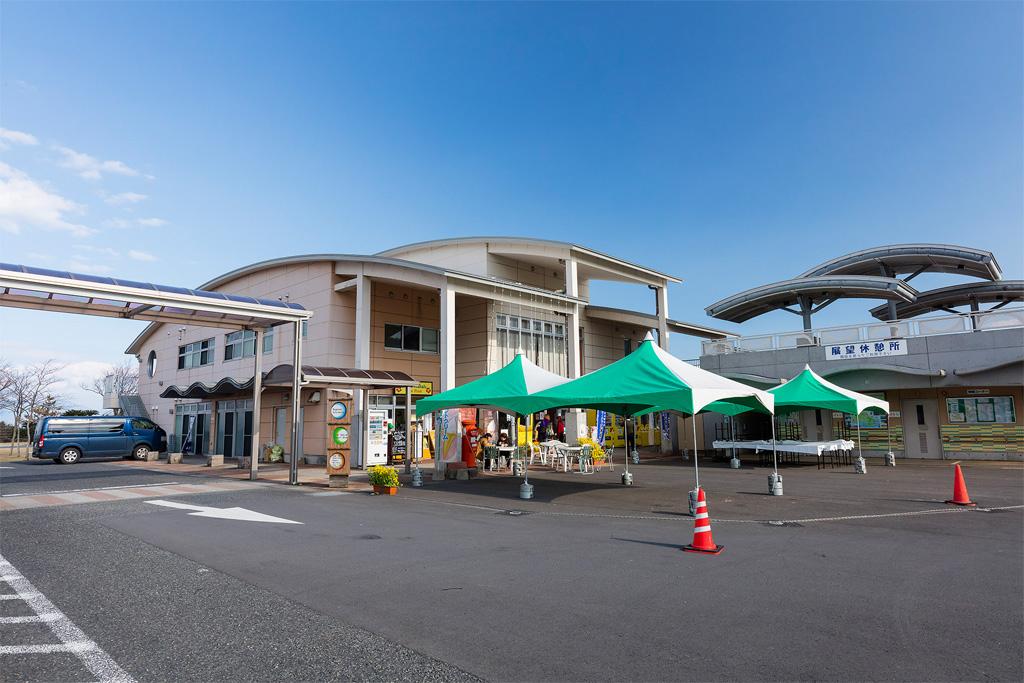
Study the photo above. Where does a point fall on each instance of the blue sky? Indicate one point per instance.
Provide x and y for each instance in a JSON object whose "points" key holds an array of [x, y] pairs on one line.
{"points": [[730, 144]]}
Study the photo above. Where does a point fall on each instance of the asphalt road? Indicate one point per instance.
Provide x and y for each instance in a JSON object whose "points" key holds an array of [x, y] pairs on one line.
{"points": [[444, 583]]}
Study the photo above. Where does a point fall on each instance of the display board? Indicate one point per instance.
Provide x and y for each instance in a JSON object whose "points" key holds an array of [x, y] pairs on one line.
{"points": [[992, 409]]}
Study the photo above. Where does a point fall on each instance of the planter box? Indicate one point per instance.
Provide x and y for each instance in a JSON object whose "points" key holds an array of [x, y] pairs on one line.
{"points": [[152, 456], [214, 460], [174, 458], [385, 490]]}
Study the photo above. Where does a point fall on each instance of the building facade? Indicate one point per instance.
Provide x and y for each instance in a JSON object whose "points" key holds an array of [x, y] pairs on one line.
{"points": [[444, 312], [949, 361]]}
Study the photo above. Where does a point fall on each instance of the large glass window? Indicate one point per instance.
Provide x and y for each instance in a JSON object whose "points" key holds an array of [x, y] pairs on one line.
{"points": [[195, 354], [542, 341], [241, 344], [151, 364], [410, 338]]}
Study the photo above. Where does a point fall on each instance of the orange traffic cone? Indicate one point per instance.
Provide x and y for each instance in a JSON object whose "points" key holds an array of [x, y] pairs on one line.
{"points": [[960, 496], [702, 541]]}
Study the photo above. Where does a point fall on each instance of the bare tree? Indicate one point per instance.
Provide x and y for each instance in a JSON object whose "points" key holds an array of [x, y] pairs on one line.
{"points": [[29, 391], [124, 380]]}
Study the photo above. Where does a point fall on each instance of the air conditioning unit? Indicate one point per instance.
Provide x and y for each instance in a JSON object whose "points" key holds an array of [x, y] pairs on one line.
{"points": [[805, 340]]}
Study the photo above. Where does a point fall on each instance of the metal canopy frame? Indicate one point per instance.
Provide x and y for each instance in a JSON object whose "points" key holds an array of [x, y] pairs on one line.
{"points": [[810, 294], [55, 291], [1000, 293]]}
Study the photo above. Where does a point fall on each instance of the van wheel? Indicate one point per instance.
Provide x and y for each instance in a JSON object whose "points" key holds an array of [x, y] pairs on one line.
{"points": [[141, 452], [69, 456]]}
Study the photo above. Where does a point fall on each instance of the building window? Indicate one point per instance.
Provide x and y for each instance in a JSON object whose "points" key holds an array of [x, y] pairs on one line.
{"points": [[542, 341], [305, 329], [410, 338], [627, 347], [991, 409], [151, 364], [241, 344], [195, 354], [268, 340]]}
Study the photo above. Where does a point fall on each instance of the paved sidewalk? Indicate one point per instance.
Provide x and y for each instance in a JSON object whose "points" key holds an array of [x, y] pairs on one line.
{"points": [[22, 501]]}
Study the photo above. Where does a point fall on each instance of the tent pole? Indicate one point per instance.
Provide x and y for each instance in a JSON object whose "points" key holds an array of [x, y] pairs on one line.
{"points": [[775, 457], [625, 439], [693, 426], [860, 449]]}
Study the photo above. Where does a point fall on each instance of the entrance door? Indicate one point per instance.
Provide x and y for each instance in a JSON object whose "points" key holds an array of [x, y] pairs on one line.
{"points": [[228, 433], [921, 428]]}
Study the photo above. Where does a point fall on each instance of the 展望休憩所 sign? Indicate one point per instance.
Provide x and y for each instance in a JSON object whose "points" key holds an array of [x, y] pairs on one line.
{"points": [[868, 349]]}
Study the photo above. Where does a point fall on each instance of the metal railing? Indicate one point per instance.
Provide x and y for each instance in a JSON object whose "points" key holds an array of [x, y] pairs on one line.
{"points": [[898, 329]]}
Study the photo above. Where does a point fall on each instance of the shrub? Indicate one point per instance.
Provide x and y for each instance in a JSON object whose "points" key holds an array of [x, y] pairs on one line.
{"points": [[384, 476]]}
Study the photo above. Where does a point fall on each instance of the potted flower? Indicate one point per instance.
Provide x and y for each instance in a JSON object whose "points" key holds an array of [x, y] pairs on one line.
{"points": [[597, 452], [384, 480]]}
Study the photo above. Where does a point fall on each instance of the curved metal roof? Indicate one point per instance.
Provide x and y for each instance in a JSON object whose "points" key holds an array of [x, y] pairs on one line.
{"points": [[759, 300], [946, 298], [898, 259], [148, 286], [525, 240]]}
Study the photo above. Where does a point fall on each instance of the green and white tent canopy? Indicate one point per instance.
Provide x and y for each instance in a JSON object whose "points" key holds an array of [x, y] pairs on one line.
{"points": [[652, 379], [510, 389], [810, 390]]}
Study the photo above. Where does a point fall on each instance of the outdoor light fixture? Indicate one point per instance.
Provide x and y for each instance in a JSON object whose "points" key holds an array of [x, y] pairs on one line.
{"points": [[314, 397]]}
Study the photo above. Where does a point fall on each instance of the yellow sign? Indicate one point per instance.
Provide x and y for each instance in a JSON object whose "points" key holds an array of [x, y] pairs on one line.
{"points": [[424, 388]]}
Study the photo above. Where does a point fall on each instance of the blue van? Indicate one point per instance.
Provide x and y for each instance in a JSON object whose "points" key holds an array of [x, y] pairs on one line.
{"points": [[67, 440]]}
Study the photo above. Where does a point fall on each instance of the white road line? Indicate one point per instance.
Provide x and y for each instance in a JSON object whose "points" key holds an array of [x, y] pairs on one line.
{"points": [[76, 648], [72, 638], [16, 596], [49, 616], [100, 488]]}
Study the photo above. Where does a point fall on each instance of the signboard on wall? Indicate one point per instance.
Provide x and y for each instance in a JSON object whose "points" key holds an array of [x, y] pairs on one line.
{"points": [[872, 349], [424, 388]]}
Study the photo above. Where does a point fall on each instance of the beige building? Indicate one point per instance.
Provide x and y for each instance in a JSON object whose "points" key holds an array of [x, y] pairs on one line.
{"points": [[445, 312]]}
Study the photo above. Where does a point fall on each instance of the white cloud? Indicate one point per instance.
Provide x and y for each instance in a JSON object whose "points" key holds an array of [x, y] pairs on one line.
{"points": [[141, 255], [16, 137], [125, 223], [124, 198], [77, 265], [92, 168], [26, 203], [101, 251]]}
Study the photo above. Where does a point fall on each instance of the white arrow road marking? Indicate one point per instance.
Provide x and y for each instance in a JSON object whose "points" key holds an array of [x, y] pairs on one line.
{"points": [[240, 514]]}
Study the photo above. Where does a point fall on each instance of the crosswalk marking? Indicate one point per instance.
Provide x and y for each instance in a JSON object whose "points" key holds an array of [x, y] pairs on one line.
{"points": [[22, 501], [72, 639]]}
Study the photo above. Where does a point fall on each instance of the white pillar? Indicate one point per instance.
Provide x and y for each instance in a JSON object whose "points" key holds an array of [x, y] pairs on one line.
{"points": [[363, 308], [661, 294], [296, 447], [257, 391], [447, 338], [572, 322], [575, 419]]}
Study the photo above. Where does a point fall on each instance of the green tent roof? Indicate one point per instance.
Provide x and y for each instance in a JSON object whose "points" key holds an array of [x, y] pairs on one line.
{"points": [[510, 389], [810, 390], [651, 378]]}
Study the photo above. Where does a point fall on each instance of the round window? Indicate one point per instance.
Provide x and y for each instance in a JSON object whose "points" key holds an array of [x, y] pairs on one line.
{"points": [[151, 364]]}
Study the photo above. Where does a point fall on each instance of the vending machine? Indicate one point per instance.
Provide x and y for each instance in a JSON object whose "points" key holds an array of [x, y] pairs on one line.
{"points": [[376, 438]]}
